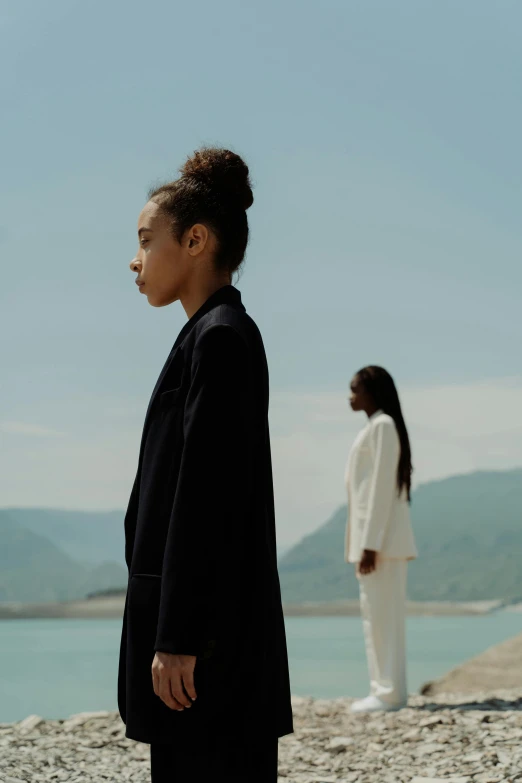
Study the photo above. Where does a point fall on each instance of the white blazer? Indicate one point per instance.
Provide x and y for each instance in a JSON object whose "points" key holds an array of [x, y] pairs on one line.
{"points": [[378, 517]]}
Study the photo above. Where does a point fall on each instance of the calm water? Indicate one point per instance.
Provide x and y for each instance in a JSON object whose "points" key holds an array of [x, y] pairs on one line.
{"points": [[58, 667]]}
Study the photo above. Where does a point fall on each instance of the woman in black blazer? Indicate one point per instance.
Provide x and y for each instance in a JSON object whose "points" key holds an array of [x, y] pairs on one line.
{"points": [[203, 671]]}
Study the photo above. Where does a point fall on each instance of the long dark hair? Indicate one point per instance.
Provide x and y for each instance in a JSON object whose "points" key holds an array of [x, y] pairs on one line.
{"points": [[380, 386]]}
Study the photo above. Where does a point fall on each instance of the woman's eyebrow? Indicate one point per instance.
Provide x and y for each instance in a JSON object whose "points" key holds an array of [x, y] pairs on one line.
{"points": [[141, 230]]}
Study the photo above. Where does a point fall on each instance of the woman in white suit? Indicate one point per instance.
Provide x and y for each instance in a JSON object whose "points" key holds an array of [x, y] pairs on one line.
{"points": [[379, 536]]}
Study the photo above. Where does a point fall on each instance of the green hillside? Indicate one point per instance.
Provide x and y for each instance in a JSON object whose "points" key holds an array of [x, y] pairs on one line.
{"points": [[34, 569], [468, 531], [87, 536]]}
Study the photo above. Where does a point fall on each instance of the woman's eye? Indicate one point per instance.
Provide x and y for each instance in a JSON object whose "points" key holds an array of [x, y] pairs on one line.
{"points": [[143, 242]]}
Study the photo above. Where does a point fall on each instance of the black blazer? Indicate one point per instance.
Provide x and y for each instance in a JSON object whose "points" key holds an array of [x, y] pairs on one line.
{"points": [[200, 538]]}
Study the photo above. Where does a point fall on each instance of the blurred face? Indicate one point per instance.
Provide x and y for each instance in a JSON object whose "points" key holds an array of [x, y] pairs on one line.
{"points": [[164, 266], [359, 398]]}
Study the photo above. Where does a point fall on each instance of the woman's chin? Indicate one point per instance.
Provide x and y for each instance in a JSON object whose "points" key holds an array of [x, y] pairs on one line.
{"points": [[158, 301]]}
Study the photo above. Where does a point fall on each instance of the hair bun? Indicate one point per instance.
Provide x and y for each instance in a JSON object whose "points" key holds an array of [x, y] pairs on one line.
{"points": [[224, 173]]}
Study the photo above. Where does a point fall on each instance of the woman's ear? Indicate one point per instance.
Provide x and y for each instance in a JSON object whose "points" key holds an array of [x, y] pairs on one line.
{"points": [[196, 239]]}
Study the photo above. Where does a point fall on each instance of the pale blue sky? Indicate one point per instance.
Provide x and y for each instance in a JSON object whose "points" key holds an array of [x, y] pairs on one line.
{"points": [[384, 144]]}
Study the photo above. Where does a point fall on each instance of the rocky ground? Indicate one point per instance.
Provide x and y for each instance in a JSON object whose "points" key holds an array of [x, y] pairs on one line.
{"points": [[469, 738]]}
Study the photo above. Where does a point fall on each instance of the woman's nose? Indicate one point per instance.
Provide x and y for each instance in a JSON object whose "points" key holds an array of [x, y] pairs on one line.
{"points": [[134, 265]]}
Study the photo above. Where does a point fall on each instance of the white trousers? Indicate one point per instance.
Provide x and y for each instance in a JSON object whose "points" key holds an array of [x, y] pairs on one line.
{"points": [[383, 611]]}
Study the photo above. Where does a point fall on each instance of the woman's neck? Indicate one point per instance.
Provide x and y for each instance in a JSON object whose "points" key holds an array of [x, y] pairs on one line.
{"points": [[198, 294]]}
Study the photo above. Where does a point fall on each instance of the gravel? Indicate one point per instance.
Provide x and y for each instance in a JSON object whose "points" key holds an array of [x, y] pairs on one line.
{"points": [[447, 737]]}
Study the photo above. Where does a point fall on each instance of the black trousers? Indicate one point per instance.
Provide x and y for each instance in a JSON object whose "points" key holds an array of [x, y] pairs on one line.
{"points": [[202, 761]]}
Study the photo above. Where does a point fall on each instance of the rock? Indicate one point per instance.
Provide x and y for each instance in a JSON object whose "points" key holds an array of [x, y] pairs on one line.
{"points": [[473, 757], [440, 780], [75, 721], [84, 716], [324, 779], [427, 722], [29, 723], [500, 664], [339, 744], [428, 749], [323, 708], [411, 735]]}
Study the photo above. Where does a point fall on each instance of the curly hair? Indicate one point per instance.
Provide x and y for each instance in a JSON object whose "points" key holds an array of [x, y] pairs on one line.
{"points": [[214, 189]]}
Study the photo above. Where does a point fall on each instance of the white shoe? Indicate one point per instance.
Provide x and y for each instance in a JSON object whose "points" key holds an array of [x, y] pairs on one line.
{"points": [[374, 704]]}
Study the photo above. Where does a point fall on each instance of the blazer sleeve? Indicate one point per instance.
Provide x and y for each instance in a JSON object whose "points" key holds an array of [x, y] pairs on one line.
{"points": [[211, 496], [383, 485]]}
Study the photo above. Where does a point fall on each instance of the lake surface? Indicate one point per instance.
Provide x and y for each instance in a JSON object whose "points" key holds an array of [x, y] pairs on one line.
{"points": [[55, 668]]}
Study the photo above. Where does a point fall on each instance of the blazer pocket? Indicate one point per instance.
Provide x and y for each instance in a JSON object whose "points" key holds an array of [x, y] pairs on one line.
{"points": [[146, 576]]}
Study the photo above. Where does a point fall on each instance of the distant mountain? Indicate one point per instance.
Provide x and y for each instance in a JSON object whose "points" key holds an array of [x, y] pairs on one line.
{"points": [[468, 531], [105, 577], [87, 536], [34, 569], [314, 570]]}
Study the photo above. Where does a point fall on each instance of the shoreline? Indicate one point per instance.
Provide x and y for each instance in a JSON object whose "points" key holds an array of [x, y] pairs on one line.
{"points": [[111, 607]]}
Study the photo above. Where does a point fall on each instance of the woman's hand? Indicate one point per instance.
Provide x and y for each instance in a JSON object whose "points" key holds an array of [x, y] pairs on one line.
{"points": [[173, 679], [368, 562]]}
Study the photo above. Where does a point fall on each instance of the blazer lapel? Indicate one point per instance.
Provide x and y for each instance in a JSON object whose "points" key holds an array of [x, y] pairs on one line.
{"points": [[226, 295], [162, 374]]}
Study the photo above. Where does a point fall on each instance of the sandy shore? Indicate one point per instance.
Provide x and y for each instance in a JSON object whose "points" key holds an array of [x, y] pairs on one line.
{"points": [[351, 608], [471, 739], [112, 607], [105, 606]]}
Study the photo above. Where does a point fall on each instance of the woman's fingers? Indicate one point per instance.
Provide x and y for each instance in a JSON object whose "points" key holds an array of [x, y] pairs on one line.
{"points": [[155, 681], [166, 696], [188, 682], [176, 684]]}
